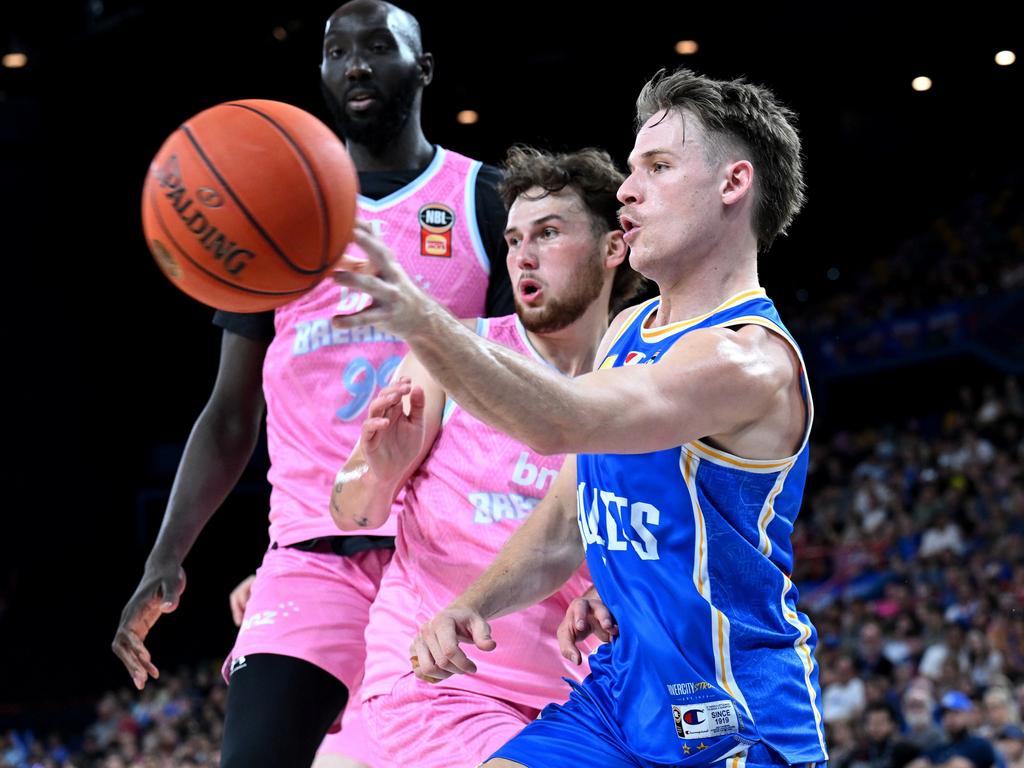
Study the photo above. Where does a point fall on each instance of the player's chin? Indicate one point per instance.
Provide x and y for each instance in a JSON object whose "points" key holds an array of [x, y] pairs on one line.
{"points": [[527, 312]]}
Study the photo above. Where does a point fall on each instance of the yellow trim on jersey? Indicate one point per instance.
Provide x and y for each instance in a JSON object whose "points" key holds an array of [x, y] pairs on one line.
{"points": [[768, 513], [629, 321], [760, 465], [736, 757], [609, 362], [657, 334], [702, 450], [699, 566], [800, 646], [701, 578]]}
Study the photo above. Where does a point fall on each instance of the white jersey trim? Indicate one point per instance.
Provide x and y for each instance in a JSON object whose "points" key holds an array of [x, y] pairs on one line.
{"points": [[483, 330], [530, 348], [471, 222], [720, 629], [410, 189], [804, 654]]}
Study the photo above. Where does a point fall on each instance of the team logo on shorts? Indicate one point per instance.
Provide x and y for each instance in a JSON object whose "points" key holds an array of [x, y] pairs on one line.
{"points": [[709, 719], [694, 717], [436, 222]]}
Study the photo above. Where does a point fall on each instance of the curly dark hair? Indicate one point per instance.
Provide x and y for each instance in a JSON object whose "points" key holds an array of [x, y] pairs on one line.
{"points": [[593, 176]]}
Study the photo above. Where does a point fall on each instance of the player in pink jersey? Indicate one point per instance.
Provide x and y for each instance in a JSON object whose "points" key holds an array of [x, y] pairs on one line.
{"points": [[300, 650], [468, 486]]}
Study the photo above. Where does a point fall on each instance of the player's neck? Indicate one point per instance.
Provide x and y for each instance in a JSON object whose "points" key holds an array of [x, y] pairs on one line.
{"points": [[706, 283], [571, 349], [409, 151]]}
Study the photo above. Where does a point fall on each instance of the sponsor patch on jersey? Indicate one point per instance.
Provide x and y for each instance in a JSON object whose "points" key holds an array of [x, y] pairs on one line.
{"points": [[436, 222], [706, 720], [634, 358]]}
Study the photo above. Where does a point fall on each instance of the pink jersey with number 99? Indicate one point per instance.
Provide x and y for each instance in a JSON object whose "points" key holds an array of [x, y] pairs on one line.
{"points": [[318, 381]]}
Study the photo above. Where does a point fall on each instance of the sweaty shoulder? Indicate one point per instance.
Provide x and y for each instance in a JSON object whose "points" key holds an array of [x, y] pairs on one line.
{"points": [[763, 357], [755, 376]]}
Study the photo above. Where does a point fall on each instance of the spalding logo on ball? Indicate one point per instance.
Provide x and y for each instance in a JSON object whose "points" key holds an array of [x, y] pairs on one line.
{"points": [[248, 204]]}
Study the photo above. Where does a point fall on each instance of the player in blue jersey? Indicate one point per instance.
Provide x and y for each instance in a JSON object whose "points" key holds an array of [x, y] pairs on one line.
{"points": [[690, 443]]}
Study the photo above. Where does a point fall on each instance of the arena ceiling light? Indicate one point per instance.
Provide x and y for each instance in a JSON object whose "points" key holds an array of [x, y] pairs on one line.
{"points": [[15, 60]]}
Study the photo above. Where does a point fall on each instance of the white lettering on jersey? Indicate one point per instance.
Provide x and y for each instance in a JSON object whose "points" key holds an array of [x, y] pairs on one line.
{"points": [[637, 513], [311, 335], [494, 507], [527, 474], [620, 537]]}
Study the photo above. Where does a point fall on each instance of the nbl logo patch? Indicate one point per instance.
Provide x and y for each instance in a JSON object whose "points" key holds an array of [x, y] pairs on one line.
{"points": [[436, 222]]}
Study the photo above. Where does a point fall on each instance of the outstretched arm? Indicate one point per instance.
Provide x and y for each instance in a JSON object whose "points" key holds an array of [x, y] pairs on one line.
{"points": [[714, 382]]}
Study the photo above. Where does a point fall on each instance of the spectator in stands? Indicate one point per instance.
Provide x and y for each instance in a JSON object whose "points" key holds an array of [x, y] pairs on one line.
{"points": [[961, 748]]}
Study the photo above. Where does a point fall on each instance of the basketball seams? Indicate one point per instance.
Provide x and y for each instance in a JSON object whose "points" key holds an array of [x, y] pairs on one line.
{"points": [[154, 208], [313, 179], [241, 206]]}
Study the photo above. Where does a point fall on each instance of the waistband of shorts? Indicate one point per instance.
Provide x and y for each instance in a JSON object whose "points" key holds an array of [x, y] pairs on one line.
{"points": [[345, 546]]}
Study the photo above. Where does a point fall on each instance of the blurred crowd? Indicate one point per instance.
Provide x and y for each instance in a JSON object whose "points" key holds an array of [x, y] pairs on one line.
{"points": [[910, 551], [975, 251], [176, 722]]}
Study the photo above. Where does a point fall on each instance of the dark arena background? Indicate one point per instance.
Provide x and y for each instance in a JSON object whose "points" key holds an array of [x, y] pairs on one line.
{"points": [[903, 280]]}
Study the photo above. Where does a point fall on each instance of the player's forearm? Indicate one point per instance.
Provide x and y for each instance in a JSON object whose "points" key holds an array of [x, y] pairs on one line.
{"points": [[535, 562], [215, 456], [512, 393], [360, 500]]}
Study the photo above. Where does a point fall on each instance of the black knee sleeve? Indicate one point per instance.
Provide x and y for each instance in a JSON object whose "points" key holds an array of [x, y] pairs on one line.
{"points": [[278, 711]]}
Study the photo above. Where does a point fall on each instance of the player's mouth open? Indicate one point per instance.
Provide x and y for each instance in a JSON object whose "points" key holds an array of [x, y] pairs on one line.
{"points": [[530, 290], [629, 227]]}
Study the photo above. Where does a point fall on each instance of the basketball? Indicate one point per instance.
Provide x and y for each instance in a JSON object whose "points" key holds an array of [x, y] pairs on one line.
{"points": [[248, 204]]}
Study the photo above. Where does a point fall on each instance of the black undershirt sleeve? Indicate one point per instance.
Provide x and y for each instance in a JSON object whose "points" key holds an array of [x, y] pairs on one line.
{"points": [[258, 326], [491, 217]]}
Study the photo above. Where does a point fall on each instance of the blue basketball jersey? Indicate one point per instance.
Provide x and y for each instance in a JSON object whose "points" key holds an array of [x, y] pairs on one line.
{"points": [[689, 547]]}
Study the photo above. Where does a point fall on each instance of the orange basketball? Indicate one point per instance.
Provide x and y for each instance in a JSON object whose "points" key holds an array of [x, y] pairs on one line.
{"points": [[248, 203]]}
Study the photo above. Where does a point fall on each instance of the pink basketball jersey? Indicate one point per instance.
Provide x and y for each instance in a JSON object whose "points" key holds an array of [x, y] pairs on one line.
{"points": [[318, 381], [473, 490]]}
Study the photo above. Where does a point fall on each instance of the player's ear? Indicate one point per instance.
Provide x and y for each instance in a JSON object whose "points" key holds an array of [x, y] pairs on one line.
{"points": [[426, 64], [615, 249], [737, 181]]}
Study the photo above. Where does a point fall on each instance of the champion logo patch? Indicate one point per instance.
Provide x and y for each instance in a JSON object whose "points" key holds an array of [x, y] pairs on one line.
{"points": [[706, 720]]}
